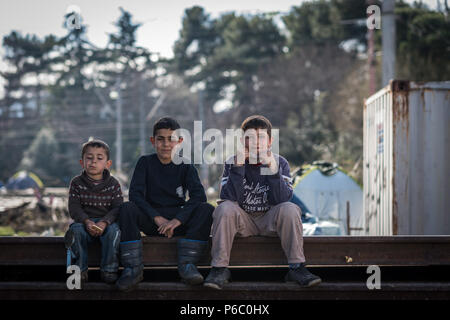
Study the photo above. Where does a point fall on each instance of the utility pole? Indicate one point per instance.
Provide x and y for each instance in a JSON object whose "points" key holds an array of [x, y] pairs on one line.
{"points": [[388, 41], [204, 174], [141, 116], [370, 56], [119, 125]]}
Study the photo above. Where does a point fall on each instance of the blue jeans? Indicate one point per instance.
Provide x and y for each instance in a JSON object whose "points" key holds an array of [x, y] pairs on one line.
{"points": [[109, 240]]}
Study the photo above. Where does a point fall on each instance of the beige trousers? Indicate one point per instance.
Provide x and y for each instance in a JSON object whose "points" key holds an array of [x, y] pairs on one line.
{"points": [[283, 220]]}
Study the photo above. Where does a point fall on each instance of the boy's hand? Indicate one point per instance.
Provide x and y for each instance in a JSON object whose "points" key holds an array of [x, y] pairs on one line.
{"points": [[267, 158], [241, 156], [160, 220], [102, 225], [168, 228], [89, 227]]}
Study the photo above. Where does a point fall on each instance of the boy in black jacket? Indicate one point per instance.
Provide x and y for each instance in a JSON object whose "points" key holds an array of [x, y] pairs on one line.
{"points": [[157, 206]]}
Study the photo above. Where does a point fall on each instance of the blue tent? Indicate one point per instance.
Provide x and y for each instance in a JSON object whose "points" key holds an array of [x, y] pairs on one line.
{"points": [[24, 180], [295, 199], [326, 189]]}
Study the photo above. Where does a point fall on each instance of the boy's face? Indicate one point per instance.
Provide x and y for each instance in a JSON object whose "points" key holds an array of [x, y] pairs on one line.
{"points": [[164, 141], [95, 161], [257, 140]]}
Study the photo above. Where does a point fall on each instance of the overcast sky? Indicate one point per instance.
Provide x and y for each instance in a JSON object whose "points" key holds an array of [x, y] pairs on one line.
{"points": [[161, 19]]}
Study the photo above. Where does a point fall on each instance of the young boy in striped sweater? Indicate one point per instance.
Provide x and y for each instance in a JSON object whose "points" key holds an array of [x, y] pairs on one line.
{"points": [[94, 200]]}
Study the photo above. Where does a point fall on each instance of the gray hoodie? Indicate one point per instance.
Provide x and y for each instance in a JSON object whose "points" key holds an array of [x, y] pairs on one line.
{"points": [[253, 191]]}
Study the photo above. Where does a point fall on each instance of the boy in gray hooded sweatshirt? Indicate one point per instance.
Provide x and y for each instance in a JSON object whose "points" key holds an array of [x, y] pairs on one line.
{"points": [[255, 191]]}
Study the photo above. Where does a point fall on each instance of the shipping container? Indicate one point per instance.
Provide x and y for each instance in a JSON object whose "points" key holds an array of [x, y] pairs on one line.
{"points": [[406, 159]]}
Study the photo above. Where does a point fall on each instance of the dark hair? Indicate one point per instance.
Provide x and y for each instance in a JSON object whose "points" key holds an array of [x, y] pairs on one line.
{"points": [[165, 123], [257, 122], [96, 143]]}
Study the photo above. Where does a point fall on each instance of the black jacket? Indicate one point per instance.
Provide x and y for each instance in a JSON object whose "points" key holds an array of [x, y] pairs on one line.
{"points": [[157, 188]]}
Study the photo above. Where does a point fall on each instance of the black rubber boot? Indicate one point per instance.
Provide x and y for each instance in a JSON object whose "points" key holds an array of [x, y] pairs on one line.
{"points": [[84, 277], [108, 277], [131, 259], [189, 253]]}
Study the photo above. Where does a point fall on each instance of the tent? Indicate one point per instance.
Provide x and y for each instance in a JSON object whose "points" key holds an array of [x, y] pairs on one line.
{"points": [[325, 190], [24, 180], [312, 225], [295, 199]]}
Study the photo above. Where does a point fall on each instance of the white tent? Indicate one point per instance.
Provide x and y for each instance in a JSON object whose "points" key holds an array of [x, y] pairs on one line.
{"points": [[326, 195]]}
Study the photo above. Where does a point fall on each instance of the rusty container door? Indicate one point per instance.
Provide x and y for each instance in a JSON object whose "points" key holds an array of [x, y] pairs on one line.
{"points": [[406, 159]]}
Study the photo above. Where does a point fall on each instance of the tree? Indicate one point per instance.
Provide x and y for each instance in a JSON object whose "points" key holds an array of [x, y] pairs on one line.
{"points": [[423, 43], [27, 56], [225, 53], [129, 69], [315, 22], [28, 59], [296, 93], [77, 104], [44, 157]]}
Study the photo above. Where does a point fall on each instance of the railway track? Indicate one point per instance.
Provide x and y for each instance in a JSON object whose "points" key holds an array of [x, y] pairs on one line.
{"points": [[411, 268]]}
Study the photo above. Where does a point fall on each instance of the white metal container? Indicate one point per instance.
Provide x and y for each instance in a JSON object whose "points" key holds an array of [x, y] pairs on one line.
{"points": [[406, 159]]}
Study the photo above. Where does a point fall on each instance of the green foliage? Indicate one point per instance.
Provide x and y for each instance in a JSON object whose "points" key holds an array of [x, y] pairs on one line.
{"points": [[326, 22], [313, 23], [423, 44], [6, 231], [225, 51]]}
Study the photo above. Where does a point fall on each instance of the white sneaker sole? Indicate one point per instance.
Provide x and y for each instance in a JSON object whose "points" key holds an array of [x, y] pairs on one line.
{"points": [[311, 284], [213, 285]]}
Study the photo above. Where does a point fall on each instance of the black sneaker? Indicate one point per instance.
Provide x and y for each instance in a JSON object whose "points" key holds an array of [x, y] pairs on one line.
{"points": [[217, 277], [302, 276]]}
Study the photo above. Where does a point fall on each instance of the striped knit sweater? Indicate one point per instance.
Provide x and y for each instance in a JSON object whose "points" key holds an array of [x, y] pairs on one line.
{"points": [[92, 199]]}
